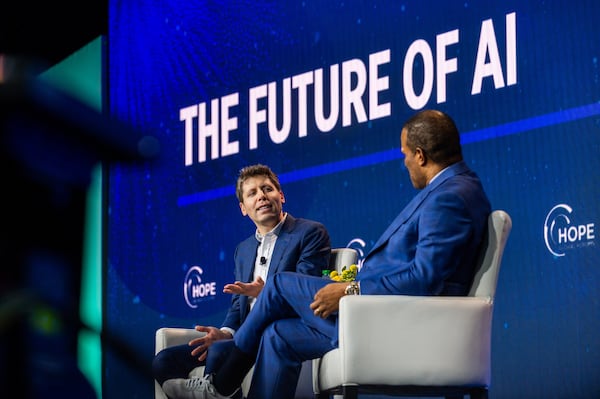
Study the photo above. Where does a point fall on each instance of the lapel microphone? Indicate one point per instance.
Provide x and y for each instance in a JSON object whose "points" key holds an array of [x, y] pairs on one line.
{"points": [[263, 260]]}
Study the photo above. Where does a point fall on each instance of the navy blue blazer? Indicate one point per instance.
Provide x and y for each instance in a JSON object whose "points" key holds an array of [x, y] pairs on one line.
{"points": [[302, 246], [431, 246]]}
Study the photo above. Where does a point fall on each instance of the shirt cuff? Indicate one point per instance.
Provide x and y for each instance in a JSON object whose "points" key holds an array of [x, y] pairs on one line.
{"points": [[229, 330]]}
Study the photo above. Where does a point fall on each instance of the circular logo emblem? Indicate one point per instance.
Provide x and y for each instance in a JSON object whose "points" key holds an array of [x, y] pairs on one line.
{"points": [[196, 291], [557, 220]]}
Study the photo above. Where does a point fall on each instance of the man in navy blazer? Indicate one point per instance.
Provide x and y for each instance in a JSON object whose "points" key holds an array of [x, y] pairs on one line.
{"points": [[302, 246], [429, 249], [280, 243]]}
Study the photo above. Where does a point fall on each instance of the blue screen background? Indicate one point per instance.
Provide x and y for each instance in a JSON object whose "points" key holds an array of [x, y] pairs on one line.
{"points": [[535, 145]]}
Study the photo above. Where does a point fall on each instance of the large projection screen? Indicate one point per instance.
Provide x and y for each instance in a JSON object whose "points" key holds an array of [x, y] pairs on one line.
{"points": [[318, 90]]}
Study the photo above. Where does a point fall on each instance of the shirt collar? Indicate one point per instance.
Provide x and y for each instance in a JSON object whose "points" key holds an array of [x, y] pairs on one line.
{"points": [[274, 231], [437, 174]]}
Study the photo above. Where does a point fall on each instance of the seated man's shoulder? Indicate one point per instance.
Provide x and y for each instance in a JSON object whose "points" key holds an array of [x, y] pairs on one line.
{"points": [[309, 223]]}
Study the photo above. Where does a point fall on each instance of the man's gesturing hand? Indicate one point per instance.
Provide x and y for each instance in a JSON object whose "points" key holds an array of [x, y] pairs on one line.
{"points": [[250, 289], [202, 343]]}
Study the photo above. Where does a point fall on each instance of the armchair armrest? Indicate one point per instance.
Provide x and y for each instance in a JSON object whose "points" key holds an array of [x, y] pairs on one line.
{"points": [[170, 336], [400, 339]]}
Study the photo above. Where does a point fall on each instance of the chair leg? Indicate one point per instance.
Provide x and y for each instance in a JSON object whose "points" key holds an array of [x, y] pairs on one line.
{"points": [[479, 393], [350, 392]]}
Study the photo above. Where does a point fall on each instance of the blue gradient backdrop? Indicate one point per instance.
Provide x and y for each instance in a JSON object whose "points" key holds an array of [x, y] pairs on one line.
{"points": [[535, 144]]}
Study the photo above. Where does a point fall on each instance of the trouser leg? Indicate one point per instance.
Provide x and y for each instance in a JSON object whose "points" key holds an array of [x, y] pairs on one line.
{"points": [[216, 355], [284, 346], [287, 295], [174, 362]]}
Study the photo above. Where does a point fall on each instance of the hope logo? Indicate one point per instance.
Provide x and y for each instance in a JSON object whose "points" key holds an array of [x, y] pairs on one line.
{"points": [[196, 291], [561, 234]]}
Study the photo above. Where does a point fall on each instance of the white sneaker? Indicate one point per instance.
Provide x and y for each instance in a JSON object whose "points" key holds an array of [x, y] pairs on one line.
{"points": [[191, 388]]}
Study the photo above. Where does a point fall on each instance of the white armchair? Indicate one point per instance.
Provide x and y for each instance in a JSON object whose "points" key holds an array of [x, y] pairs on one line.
{"points": [[170, 336], [417, 346]]}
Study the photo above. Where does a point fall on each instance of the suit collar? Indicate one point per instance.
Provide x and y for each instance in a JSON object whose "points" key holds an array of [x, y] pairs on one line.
{"points": [[281, 244], [450, 171], [413, 205]]}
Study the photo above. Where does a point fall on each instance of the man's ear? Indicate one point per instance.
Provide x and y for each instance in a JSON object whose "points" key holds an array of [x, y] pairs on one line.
{"points": [[243, 209], [282, 197], [420, 156]]}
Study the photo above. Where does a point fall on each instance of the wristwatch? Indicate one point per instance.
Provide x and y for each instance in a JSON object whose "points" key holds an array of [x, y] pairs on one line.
{"points": [[352, 289]]}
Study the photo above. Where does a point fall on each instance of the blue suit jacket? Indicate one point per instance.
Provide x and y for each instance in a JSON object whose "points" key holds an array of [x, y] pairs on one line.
{"points": [[431, 246], [429, 249], [302, 246]]}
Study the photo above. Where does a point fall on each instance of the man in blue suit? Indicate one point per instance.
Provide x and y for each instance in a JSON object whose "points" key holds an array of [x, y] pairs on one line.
{"points": [[429, 249], [280, 243]]}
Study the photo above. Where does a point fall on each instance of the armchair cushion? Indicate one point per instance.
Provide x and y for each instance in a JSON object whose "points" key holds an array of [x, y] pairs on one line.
{"points": [[444, 332]]}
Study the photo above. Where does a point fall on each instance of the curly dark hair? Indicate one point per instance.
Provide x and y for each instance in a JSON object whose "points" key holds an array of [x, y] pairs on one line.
{"points": [[253, 171]]}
